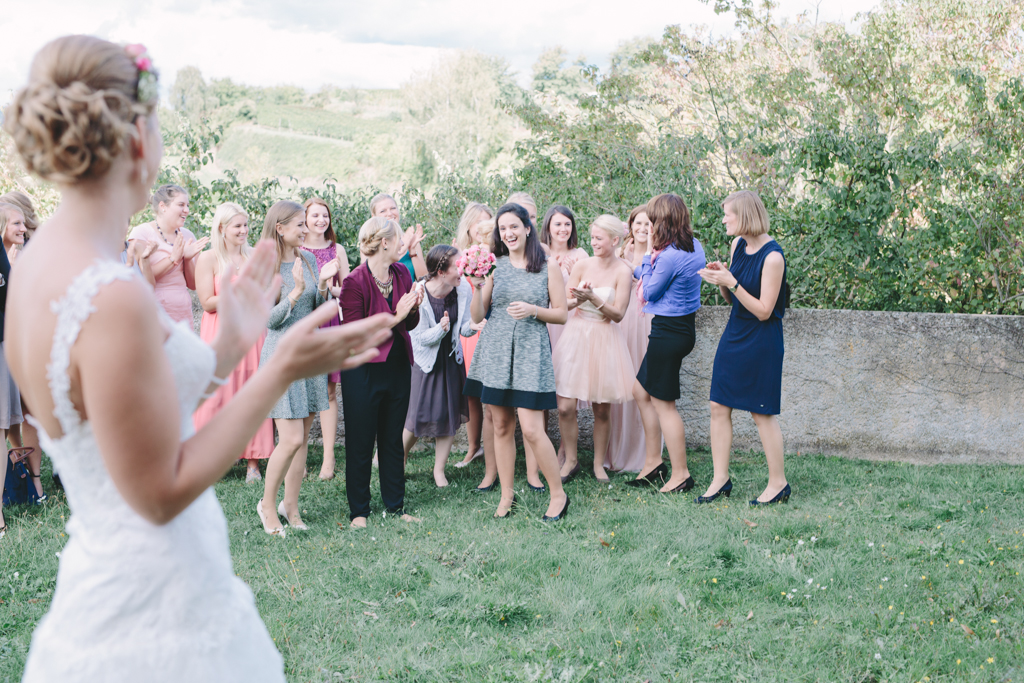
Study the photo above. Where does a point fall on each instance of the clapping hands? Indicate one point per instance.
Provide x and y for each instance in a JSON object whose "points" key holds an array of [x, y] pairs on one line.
{"points": [[192, 249]]}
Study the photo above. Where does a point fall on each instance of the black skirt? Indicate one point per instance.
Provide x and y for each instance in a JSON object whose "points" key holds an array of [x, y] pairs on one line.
{"points": [[671, 340]]}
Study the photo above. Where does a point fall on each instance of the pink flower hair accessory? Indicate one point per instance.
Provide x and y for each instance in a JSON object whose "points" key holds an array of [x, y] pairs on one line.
{"points": [[149, 88]]}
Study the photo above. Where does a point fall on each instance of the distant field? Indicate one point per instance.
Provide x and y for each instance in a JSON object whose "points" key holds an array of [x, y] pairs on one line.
{"points": [[323, 122]]}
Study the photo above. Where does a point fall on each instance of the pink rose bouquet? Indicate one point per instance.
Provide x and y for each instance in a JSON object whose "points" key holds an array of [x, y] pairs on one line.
{"points": [[477, 261]]}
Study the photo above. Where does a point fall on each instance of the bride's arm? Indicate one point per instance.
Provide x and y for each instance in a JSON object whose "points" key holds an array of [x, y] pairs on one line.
{"points": [[130, 398]]}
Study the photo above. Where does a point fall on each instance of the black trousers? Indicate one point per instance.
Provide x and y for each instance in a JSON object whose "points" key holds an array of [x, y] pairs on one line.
{"points": [[375, 399]]}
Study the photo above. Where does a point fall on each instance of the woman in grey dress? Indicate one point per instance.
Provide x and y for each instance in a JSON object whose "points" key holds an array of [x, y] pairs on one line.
{"points": [[512, 369], [302, 290]]}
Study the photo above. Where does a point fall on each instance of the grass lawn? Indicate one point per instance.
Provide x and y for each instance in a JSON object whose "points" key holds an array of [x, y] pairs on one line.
{"points": [[873, 572]]}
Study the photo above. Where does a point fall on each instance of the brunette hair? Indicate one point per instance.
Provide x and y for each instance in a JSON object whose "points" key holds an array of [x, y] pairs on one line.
{"points": [[282, 213], [375, 231], [671, 222], [750, 210], [439, 258], [535, 256], [545, 233], [77, 113], [329, 232], [629, 226], [471, 215]]}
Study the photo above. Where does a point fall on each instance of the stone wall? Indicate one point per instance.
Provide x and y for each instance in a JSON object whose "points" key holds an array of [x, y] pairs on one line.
{"points": [[916, 387]]}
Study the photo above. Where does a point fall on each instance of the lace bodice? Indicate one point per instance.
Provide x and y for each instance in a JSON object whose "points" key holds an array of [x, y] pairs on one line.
{"points": [[134, 600]]}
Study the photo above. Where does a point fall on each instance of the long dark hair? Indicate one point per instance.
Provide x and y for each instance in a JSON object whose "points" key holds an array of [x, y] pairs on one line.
{"points": [[535, 256], [670, 220], [545, 232]]}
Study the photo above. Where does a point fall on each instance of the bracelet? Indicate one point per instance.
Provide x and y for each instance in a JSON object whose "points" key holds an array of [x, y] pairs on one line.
{"points": [[219, 381], [602, 304], [733, 288], [535, 308]]}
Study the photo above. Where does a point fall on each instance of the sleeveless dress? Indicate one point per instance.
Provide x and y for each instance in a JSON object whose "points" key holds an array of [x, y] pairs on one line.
{"points": [[555, 331], [591, 360], [136, 601], [747, 373], [512, 364], [262, 444], [171, 290], [626, 446], [328, 253], [437, 406]]}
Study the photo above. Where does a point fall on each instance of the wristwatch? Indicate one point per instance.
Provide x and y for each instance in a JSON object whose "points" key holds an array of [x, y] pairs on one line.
{"points": [[733, 288]]}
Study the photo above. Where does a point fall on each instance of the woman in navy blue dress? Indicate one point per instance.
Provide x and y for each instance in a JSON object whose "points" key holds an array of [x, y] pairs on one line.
{"points": [[748, 365]]}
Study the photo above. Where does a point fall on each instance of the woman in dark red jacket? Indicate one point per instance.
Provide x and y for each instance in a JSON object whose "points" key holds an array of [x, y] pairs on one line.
{"points": [[375, 396]]}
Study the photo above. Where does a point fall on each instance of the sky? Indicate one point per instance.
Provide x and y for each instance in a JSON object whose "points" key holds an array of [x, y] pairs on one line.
{"points": [[363, 43]]}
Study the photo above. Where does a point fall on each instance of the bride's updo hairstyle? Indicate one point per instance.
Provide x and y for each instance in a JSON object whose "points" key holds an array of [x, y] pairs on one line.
{"points": [[77, 113], [375, 231]]}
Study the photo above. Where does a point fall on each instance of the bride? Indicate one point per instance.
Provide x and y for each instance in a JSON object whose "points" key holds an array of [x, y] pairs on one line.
{"points": [[145, 589]]}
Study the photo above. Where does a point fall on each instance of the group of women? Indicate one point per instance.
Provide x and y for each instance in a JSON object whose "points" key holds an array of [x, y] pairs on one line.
{"points": [[141, 417]]}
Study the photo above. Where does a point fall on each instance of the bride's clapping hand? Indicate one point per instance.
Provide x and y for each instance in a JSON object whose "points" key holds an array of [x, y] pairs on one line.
{"points": [[307, 351], [243, 304]]}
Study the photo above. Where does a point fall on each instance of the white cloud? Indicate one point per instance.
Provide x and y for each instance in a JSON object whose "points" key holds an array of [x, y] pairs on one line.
{"points": [[366, 44]]}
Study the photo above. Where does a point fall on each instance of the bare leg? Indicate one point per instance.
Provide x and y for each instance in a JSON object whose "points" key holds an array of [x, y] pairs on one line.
{"points": [[569, 427], [290, 439], [25, 436], [602, 427], [293, 479], [534, 433], [329, 430], [675, 439], [721, 445], [771, 439], [442, 449], [487, 434], [532, 475], [3, 479], [408, 441], [561, 443], [652, 429], [474, 429], [253, 466], [505, 454]]}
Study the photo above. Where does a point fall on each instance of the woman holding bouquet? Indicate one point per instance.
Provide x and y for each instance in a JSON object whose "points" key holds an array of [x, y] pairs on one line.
{"points": [[512, 372], [475, 229], [437, 406]]}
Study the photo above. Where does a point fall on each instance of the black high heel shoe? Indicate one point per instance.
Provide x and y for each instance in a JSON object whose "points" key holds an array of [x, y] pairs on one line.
{"points": [[511, 509], [726, 491], [781, 497], [572, 473], [538, 489], [485, 489], [685, 486], [656, 476], [560, 515]]}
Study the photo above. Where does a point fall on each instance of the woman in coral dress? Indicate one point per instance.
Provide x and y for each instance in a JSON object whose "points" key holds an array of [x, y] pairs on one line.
{"points": [[591, 360], [230, 250]]}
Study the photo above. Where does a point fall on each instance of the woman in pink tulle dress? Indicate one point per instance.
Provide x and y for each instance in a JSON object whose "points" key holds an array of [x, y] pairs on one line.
{"points": [[626, 443], [230, 250], [591, 360]]}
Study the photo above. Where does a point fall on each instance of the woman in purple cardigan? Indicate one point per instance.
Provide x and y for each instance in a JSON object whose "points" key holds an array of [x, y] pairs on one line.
{"points": [[671, 286], [375, 397]]}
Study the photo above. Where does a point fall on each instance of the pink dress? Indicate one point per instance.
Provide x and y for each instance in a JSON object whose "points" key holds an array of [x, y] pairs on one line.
{"points": [[626, 437], [323, 256], [171, 290], [591, 360], [555, 331], [262, 444]]}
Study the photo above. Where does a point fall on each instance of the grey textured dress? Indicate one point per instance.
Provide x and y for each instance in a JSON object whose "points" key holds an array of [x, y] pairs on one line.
{"points": [[305, 396], [512, 362]]}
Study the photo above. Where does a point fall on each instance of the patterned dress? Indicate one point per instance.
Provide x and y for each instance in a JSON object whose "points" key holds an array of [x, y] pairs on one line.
{"points": [[306, 396], [512, 363]]}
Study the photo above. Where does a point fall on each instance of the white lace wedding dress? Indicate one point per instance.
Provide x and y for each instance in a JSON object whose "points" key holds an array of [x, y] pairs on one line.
{"points": [[135, 601]]}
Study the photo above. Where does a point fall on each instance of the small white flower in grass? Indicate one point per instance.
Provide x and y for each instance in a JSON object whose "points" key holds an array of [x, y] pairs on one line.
{"points": [[16, 575], [789, 597], [810, 581], [885, 578], [878, 656], [814, 539], [871, 544], [807, 596], [799, 542]]}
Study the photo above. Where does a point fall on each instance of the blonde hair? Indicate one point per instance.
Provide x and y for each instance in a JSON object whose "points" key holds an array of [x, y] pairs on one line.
{"points": [[28, 212], [523, 199], [472, 215], [164, 194], [5, 216], [77, 113], [282, 213], [747, 205], [377, 199], [610, 224], [373, 232], [221, 217]]}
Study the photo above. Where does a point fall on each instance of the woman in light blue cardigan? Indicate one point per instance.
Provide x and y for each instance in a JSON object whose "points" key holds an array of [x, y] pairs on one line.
{"points": [[437, 407]]}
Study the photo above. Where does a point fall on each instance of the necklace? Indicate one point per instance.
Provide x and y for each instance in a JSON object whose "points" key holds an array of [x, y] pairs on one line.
{"points": [[384, 287], [162, 235]]}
